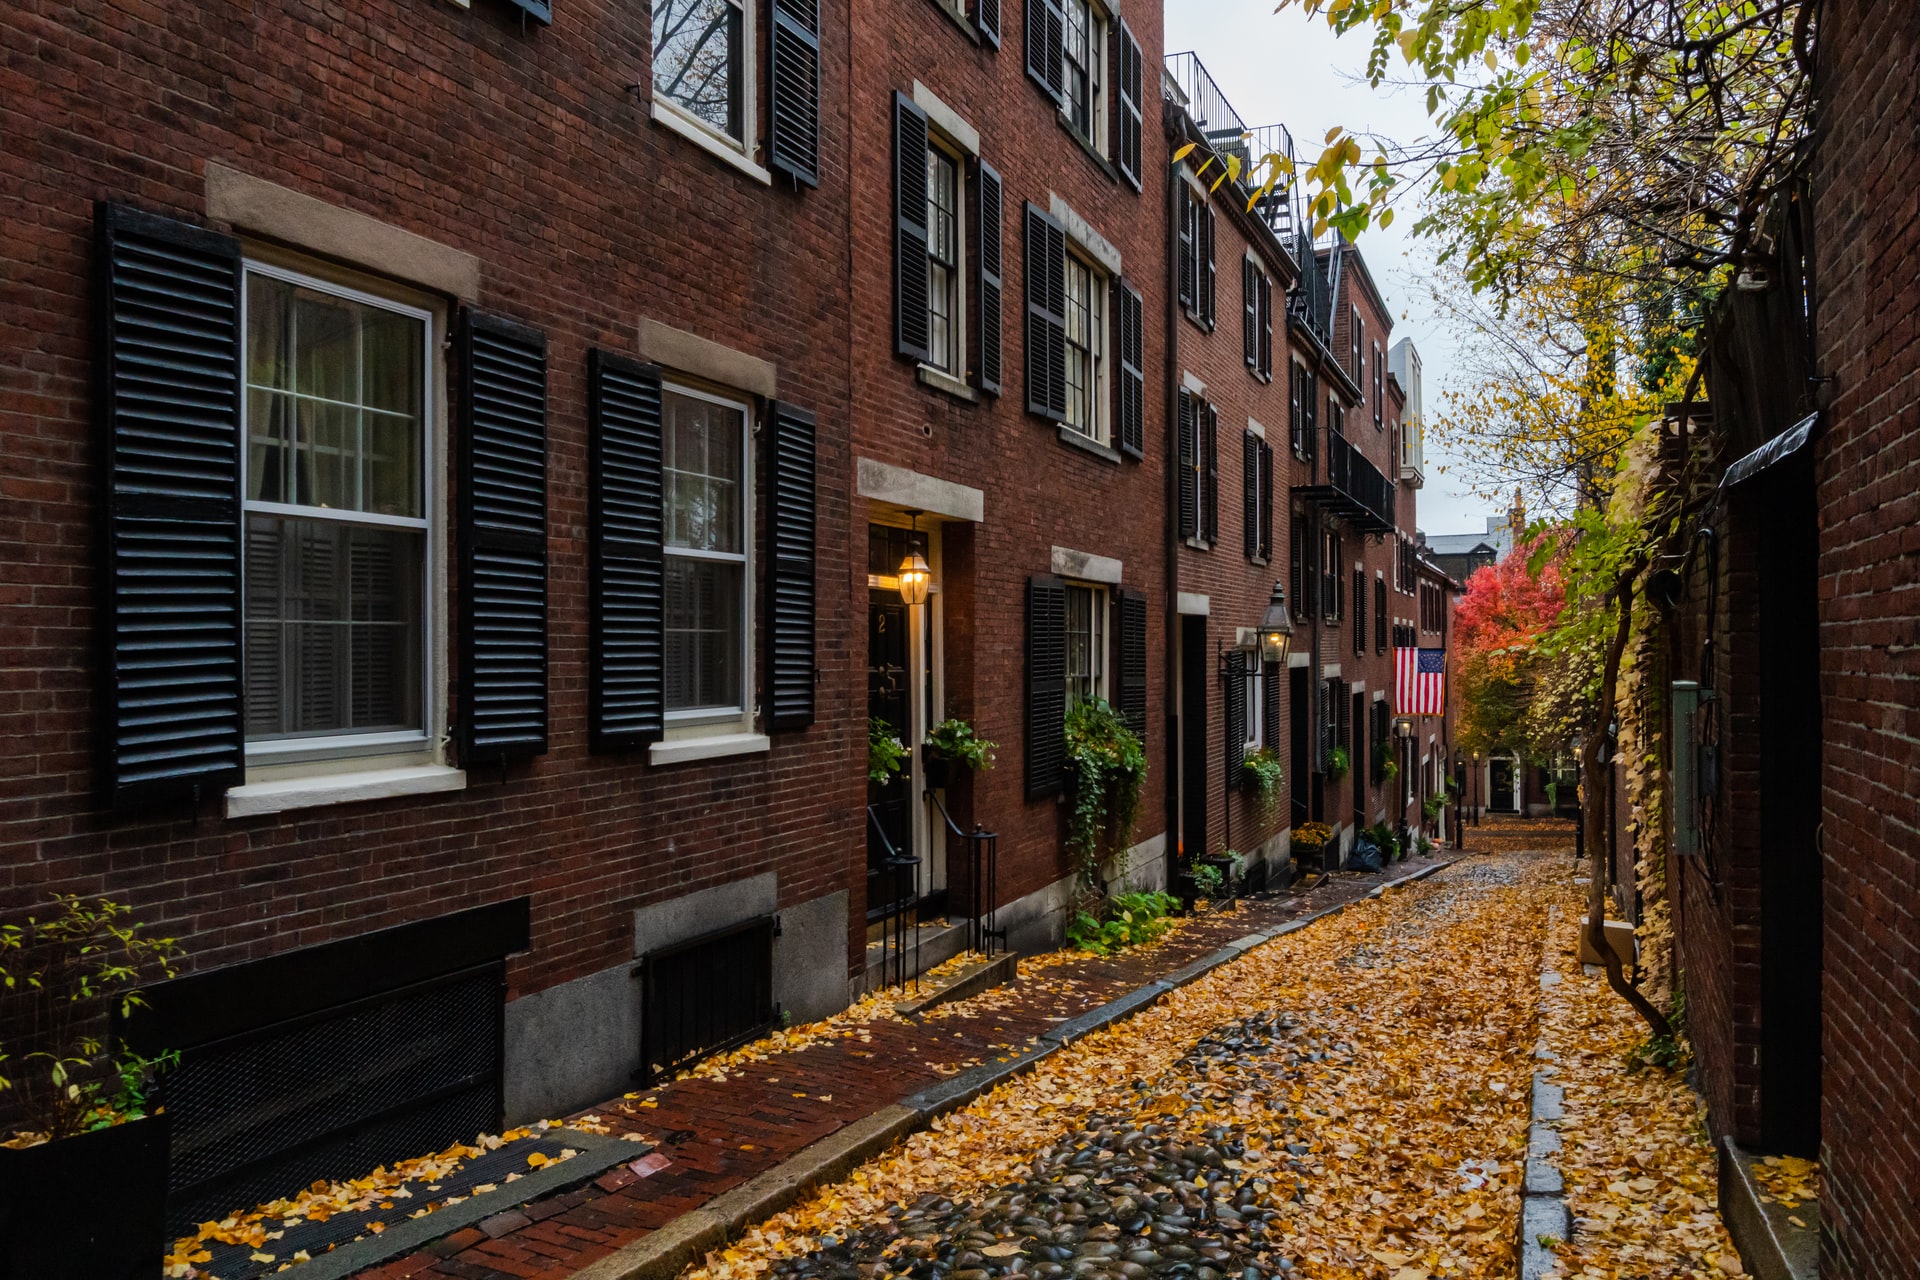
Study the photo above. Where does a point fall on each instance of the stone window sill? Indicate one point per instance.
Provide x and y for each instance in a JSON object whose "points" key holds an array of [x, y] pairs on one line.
{"points": [[283, 794], [713, 747], [940, 380], [1086, 145], [1069, 436], [671, 117]]}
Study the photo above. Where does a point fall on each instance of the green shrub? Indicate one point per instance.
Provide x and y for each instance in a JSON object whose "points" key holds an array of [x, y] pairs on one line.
{"points": [[1108, 766], [955, 740], [1124, 920], [885, 751]]}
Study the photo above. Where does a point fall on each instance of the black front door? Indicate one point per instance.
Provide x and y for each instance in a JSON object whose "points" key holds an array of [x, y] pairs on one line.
{"points": [[1299, 743], [1500, 776], [889, 698]]}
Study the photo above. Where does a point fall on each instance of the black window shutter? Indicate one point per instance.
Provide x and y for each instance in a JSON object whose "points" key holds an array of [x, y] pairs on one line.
{"points": [[1266, 327], [167, 396], [1271, 675], [1210, 505], [1250, 493], [1133, 660], [626, 532], [986, 17], [1132, 383], [1297, 569], [1380, 614], [1189, 216], [1236, 718], [1127, 136], [990, 286], [1189, 430], [1046, 46], [503, 539], [1359, 611], [911, 330], [1207, 272], [1343, 713], [1266, 502], [1046, 285], [1046, 687], [790, 572], [1249, 313], [793, 107]]}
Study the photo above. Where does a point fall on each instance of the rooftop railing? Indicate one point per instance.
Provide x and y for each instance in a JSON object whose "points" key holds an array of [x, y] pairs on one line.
{"points": [[1229, 135]]}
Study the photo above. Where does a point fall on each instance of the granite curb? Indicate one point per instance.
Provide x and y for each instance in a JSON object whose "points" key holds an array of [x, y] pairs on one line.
{"points": [[661, 1254], [1543, 1199]]}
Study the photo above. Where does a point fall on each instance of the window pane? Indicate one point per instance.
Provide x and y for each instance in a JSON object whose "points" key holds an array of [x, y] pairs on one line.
{"points": [[696, 47], [1086, 299], [333, 627], [704, 446], [313, 361], [1084, 625], [703, 633]]}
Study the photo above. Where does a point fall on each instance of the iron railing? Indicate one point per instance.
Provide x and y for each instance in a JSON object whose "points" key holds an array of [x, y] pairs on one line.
{"points": [[1197, 92], [983, 875], [1310, 302], [1348, 485], [705, 996], [905, 869]]}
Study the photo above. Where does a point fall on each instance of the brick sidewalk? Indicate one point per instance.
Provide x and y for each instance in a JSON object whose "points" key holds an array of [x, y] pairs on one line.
{"points": [[716, 1134]]}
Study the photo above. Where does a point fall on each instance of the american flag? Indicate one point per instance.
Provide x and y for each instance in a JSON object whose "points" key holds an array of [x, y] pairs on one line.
{"points": [[1420, 682]]}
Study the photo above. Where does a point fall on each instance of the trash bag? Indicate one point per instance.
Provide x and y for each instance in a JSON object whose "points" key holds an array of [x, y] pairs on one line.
{"points": [[1365, 856]]}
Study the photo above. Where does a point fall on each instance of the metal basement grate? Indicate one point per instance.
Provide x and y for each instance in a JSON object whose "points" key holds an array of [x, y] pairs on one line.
{"points": [[263, 1114], [705, 996]]}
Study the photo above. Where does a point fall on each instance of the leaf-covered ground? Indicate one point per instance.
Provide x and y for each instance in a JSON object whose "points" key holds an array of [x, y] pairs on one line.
{"points": [[1638, 1163], [1347, 1101]]}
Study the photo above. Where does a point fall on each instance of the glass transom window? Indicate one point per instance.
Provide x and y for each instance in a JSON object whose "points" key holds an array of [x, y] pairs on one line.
{"points": [[704, 468], [943, 261], [336, 527], [1086, 336], [698, 62]]}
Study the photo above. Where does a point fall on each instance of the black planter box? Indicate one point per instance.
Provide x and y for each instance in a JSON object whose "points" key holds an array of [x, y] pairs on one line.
{"points": [[938, 769], [91, 1207]]}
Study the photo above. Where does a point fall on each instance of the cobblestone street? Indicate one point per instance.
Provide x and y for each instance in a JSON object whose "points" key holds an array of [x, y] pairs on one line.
{"points": [[1348, 1100]]}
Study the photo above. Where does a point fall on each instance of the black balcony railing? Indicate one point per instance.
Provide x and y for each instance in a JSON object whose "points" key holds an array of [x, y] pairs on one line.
{"points": [[1348, 485], [1229, 135]]}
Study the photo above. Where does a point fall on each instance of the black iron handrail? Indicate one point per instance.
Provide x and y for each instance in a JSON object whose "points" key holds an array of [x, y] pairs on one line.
{"points": [[983, 873], [893, 926]]}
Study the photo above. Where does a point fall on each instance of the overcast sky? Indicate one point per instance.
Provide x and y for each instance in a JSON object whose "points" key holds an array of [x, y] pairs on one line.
{"points": [[1285, 68]]}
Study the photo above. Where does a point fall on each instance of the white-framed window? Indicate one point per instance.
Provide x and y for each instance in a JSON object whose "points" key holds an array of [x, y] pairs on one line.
{"points": [[1086, 349], [706, 469], [1252, 672], [1083, 54], [1086, 636], [702, 65], [946, 292], [340, 531]]}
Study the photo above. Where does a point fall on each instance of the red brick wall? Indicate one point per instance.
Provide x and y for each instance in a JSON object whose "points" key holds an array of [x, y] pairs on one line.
{"points": [[1716, 896], [1866, 173], [526, 148], [1237, 588], [1039, 492]]}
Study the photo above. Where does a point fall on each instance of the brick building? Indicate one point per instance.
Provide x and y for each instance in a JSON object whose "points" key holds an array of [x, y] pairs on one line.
{"points": [[1289, 471], [455, 450], [1790, 771]]}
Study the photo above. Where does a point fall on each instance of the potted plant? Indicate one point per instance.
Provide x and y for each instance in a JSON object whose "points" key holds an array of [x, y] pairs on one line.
{"points": [[1309, 841], [85, 1173], [1264, 774], [885, 751], [1385, 764], [1430, 807], [954, 742], [1337, 763]]}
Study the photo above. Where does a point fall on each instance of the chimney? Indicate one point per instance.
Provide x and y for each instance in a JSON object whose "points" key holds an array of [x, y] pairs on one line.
{"points": [[1517, 518]]}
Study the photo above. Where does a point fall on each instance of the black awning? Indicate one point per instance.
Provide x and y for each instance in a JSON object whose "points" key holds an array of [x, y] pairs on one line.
{"points": [[1775, 451]]}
